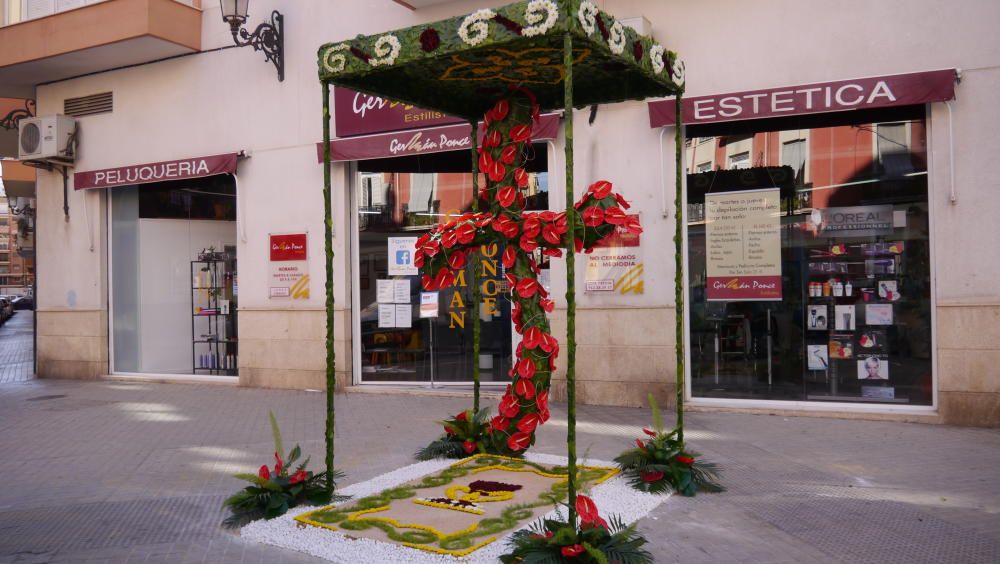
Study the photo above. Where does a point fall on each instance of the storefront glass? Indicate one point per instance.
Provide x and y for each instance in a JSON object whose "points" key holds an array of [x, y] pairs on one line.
{"points": [[173, 277], [809, 258], [398, 344]]}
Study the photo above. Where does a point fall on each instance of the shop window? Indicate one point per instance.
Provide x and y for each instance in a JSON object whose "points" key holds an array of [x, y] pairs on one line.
{"points": [[814, 289], [4, 257]]}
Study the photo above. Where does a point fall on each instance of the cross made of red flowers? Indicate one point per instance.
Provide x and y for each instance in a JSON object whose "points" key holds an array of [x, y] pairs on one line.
{"points": [[446, 249]]}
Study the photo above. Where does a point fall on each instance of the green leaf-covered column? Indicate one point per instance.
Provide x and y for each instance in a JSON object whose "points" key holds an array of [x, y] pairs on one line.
{"points": [[474, 256], [570, 277], [679, 265], [331, 357]]}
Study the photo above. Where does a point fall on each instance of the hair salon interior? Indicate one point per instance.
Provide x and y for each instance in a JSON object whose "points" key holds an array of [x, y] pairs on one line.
{"points": [[840, 205]]}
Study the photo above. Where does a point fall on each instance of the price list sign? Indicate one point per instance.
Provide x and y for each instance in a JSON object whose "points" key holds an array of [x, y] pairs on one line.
{"points": [[743, 245]]}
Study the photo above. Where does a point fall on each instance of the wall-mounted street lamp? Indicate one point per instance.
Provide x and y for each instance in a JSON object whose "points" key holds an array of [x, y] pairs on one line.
{"points": [[268, 37]]}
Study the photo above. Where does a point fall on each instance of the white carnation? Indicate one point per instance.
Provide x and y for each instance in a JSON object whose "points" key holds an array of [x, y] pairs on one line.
{"points": [[386, 50], [588, 17], [542, 15], [616, 38], [656, 58], [474, 29]]}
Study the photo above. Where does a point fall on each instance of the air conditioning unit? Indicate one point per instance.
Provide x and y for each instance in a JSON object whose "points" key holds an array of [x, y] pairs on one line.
{"points": [[46, 138]]}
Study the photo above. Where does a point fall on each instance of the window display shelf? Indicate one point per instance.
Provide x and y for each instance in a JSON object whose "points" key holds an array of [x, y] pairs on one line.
{"points": [[216, 277]]}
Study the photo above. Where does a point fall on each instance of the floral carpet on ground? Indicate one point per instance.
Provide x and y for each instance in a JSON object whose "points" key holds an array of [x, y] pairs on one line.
{"points": [[447, 511]]}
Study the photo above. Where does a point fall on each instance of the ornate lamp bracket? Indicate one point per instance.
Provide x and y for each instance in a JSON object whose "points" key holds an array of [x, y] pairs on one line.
{"points": [[269, 38]]}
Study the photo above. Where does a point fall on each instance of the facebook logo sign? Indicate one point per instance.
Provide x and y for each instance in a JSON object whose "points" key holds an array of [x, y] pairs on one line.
{"points": [[403, 257]]}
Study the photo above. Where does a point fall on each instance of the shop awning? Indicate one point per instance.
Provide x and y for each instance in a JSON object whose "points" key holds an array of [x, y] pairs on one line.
{"points": [[821, 97], [146, 173], [420, 141]]}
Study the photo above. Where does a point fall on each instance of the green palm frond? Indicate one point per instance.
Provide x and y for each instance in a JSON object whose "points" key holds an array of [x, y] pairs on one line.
{"points": [[276, 432]]}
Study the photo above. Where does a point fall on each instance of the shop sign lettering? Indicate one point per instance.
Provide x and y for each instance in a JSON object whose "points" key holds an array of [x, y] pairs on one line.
{"points": [[358, 113], [490, 287], [156, 172], [419, 144], [875, 92], [743, 245]]}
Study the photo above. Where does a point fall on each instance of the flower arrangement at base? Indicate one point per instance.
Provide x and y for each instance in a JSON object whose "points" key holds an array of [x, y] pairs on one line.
{"points": [[594, 541], [662, 463], [464, 435], [272, 493]]}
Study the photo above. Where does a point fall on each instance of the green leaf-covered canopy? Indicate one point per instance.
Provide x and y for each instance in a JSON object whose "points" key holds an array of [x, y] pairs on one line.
{"points": [[462, 65]]}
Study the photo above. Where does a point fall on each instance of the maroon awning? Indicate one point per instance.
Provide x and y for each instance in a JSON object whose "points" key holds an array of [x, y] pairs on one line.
{"points": [[420, 141], [820, 97], [181, 169]]}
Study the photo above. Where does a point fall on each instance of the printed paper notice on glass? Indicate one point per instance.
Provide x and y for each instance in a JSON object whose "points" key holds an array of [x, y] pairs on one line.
{"points": [[386, 316], [401, 291], [401, 253], [743, 245], [404, 315], [384, 291], [615, 264], [429, 304]]}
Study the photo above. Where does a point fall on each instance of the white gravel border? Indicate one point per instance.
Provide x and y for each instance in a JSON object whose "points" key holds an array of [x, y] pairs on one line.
{"points": [[613, 497]]}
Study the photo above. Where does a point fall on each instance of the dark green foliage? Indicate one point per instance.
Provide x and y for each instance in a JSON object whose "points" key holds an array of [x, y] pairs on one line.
{"points": [[272, 493], [465, 435], [544, 542], [662, 463]]}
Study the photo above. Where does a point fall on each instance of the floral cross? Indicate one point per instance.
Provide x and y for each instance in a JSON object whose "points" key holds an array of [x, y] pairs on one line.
{"points": [[447, 248]]}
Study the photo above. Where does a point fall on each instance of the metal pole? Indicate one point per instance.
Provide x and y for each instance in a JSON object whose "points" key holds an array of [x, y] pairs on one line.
{"points": [[475, 276], [570, 278], [331, 357], [679, 266]]}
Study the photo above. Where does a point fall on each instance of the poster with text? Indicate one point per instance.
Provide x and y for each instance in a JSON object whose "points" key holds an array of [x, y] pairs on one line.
{"points": [[615, 264], [401, 252], [743, 245], [289, 276]]}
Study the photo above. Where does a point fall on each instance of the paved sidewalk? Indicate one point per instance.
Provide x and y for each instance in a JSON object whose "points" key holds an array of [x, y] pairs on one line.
{"points": [[126, 472], [16, 345]]}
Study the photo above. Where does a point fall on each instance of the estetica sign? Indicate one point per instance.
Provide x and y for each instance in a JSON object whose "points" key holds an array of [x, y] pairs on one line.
{"points": [[146, 173], [862, 93]]}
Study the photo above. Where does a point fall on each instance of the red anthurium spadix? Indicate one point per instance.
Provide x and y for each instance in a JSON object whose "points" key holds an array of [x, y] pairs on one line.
{"points": [[524, 388], [600, 189], [519, 441]]}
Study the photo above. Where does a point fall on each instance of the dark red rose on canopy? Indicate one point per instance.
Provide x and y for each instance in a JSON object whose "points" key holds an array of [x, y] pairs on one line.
{"points": [[429, 39], [637, 50]]}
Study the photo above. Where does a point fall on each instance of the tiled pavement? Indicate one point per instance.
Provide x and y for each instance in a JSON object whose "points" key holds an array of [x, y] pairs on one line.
{"points": [[135, 472], [16, 342]]}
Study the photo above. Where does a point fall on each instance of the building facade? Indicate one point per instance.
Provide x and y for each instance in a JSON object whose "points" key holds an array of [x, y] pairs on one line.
{"points": [[838, 192]]}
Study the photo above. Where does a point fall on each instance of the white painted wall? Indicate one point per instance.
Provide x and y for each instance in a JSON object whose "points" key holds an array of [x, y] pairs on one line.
{"points": [[231, 100]]}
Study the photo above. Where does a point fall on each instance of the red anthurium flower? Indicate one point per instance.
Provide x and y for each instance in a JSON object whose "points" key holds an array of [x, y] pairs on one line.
{"points": [[526, 389], [552, 252], [462, 416], [587, 510], [457, 260], [653, 476], [511, 279], [532, 225], [297, 477], [469, 446], [448, 430], [448, 239], [521, 178], [622, 201], [509, 257], [614, 215], [509, 407], [551, 234], [264, 472], [423, 239], [572, 551], [515, 313], [543, 415], [578, 244], [684, 459], [525, 368], [496, 171], [518, 441], [632, 224], [593, 216], [528, 423], [500, 423], [600, 189], [520, 133], [499, 111], [532, 338], [444, 278], [649, 431], [492, 139], [465, 233], [527, 287], [552, 361], [583, 200], [506, 196], [639, 443], [418, 259], [278, 463], [549, 343], [427, 282], [432, 247], [543, 400], [528, 244], [548, 305], [508, 154], [485, 161]]}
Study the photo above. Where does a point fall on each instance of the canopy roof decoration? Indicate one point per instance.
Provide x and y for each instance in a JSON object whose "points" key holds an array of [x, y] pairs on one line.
{"points": [[463, 64], [564, 54]]}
